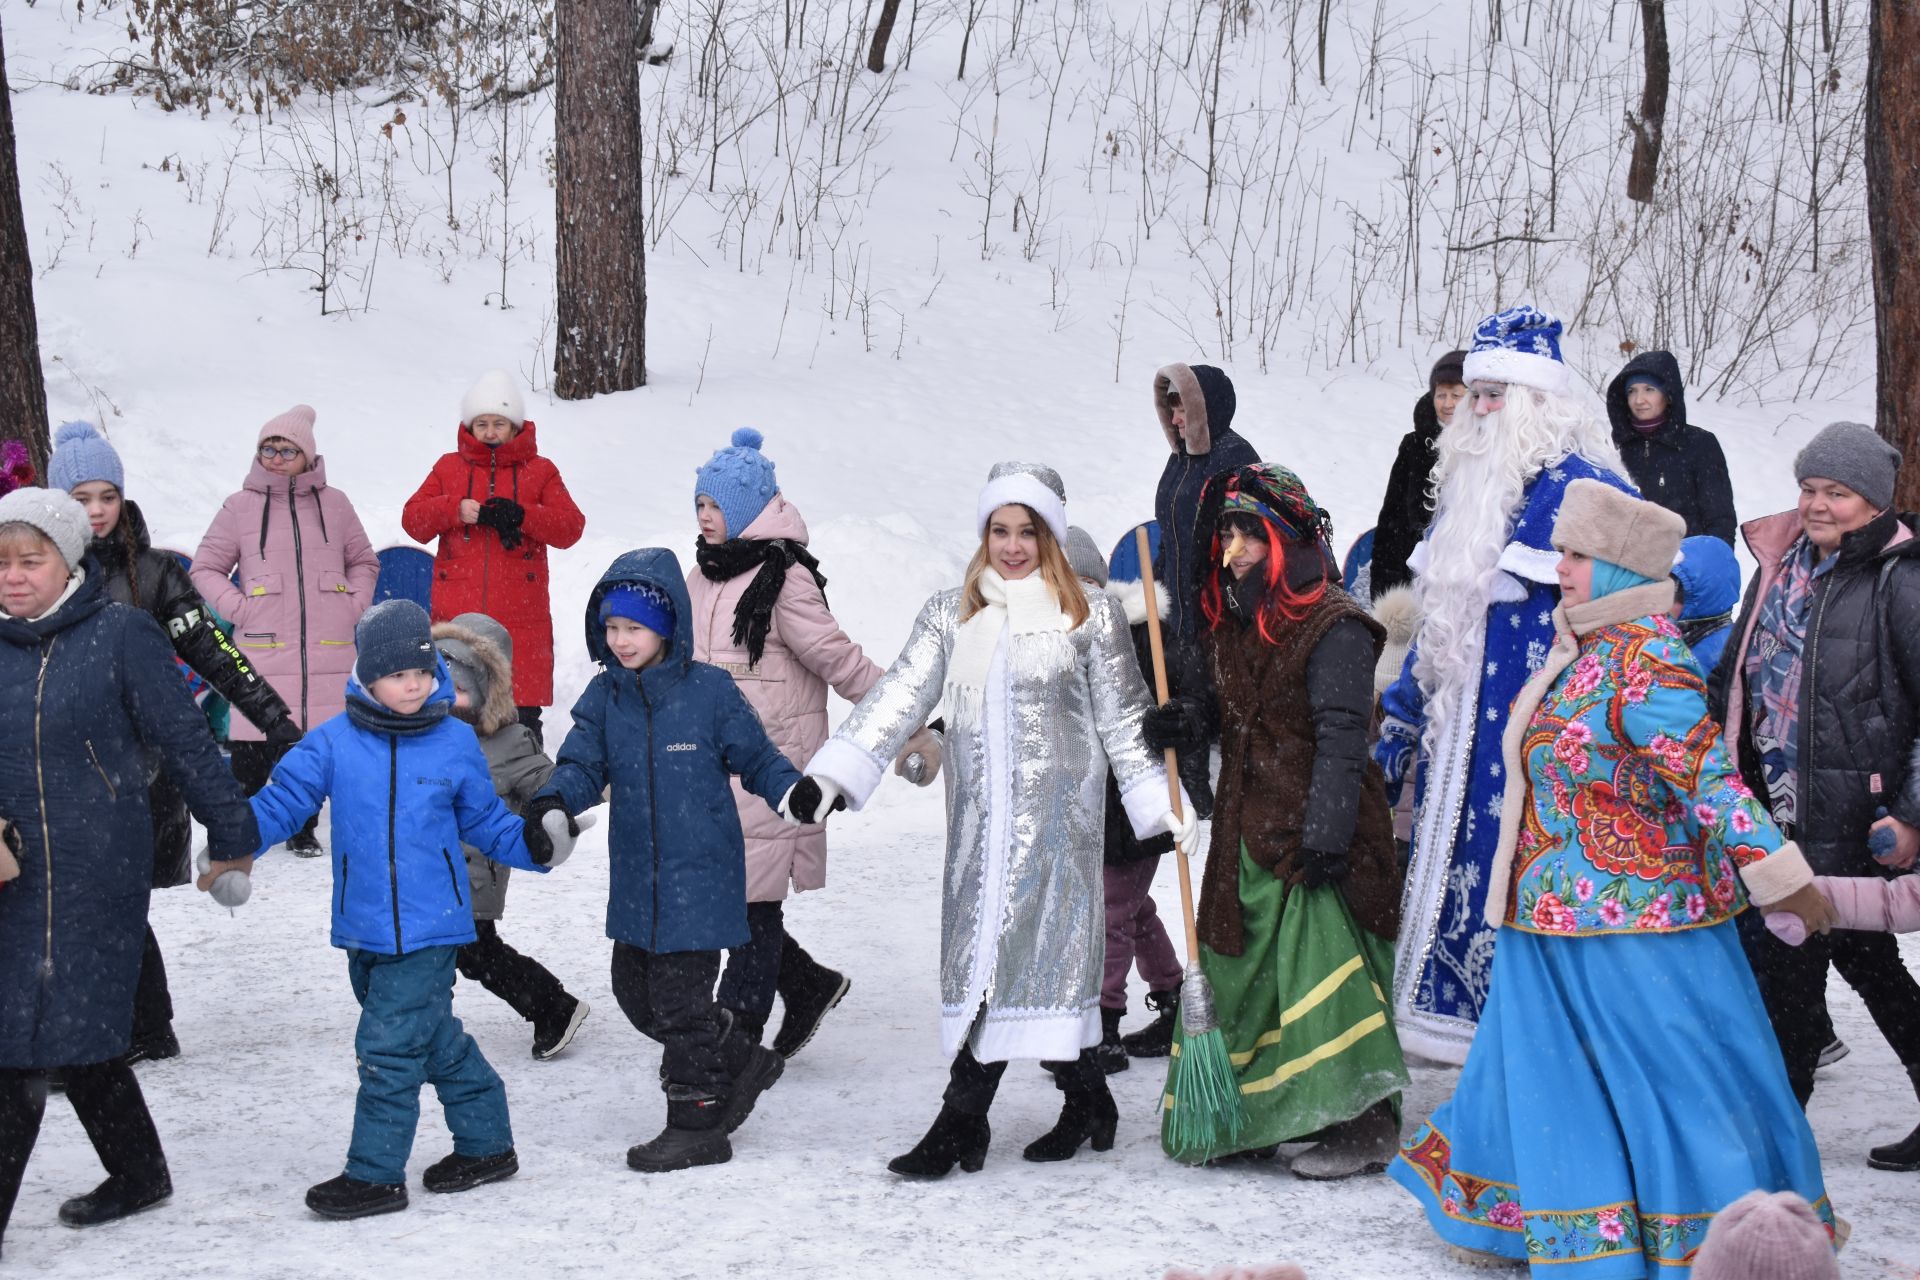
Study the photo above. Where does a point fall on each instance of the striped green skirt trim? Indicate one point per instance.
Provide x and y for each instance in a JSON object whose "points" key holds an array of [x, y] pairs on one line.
{"points": [[1306, 1013]]}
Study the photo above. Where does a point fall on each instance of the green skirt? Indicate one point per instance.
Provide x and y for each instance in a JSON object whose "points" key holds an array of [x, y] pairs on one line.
{"points": [[1306, 1014]]}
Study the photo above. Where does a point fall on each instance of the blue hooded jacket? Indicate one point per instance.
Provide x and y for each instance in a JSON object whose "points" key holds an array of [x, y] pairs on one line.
{"points": [[401, 808], [667, 739], [1710, 576]]}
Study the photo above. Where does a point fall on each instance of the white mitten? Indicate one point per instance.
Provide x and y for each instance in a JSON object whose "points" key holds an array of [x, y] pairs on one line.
{"points": [[554, 822], [231, 889], [1185, 829]]}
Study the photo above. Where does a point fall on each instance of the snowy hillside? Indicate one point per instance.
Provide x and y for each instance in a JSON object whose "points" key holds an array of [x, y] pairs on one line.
{"points": [[899, 279]]}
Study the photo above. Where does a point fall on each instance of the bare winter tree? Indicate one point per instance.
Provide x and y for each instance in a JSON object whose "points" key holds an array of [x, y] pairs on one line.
{"points": [[882, 32], [1650, 124], [23, 391], [601, 257], [1893, 213]]}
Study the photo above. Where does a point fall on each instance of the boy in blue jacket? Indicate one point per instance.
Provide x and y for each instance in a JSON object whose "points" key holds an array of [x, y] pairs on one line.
{"points": [[408, 784], [666, 733]]}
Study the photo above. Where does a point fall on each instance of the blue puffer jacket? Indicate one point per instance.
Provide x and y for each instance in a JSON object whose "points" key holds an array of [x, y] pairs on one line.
{"points": [[1710, 577], [401, 807], [667, 739], [89, 699]]}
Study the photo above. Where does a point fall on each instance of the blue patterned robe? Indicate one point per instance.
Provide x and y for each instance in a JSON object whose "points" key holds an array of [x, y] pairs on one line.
{"points": [[1444, 958]]}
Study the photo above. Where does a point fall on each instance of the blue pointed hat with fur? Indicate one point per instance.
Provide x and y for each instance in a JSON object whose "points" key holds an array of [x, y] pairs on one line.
{"points": [[1519, 346]]}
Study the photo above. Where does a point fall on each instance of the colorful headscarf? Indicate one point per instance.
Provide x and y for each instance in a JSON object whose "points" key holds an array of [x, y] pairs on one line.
{"points": [[1278, 496]]}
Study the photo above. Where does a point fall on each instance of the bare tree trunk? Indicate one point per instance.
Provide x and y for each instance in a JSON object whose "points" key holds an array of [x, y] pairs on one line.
{"points": [[601, 259], [23, 390], [882, 32], [1650, 125], [1893, 214]]}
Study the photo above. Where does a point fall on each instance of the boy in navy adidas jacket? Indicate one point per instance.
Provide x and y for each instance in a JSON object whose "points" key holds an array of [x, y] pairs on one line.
{"points": [[666, 733], [408, 784]]}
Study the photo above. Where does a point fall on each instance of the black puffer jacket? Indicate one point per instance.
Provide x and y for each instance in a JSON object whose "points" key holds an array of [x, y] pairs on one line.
{"points": [[1176, 505], [1404, 514], [155, 583], [1680, 466], [1860, 693]]}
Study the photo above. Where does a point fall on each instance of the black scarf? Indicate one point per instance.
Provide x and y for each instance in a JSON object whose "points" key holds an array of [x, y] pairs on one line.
{"points": [[753, 617], [1243, 596], [374, 718], [1694, 630]]}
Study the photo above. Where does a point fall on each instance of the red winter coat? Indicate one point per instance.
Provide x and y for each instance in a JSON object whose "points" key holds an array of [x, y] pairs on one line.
{"points": [[472, 572]]}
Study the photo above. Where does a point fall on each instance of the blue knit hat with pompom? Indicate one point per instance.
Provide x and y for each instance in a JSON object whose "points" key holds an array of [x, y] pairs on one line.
{"points": [[740, 481], [81, 454]]}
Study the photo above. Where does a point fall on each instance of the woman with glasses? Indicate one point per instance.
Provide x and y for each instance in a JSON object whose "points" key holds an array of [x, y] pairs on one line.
{"points": [[306, 574]]}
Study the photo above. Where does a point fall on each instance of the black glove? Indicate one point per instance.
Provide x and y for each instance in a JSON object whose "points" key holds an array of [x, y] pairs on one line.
{"points": [[503, 516], [284, 733], [11, 838], [804, 801], [539, 847], [1174, 725], [1315, 868], [1200, 791]]}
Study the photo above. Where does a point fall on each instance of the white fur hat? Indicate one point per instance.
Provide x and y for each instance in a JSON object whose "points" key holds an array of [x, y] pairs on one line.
{"points": [[495, 392], [1031, 485]]}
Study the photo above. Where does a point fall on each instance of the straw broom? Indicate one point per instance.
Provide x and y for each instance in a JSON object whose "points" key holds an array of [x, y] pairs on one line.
{"points": [[1206, 1098]]}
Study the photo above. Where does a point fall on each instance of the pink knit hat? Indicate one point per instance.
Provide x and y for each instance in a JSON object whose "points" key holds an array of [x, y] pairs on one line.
{"points": [[296, 424], [1767, 1236]]}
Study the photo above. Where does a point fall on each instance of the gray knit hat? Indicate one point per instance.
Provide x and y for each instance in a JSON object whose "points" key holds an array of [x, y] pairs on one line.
{"points": [[393, 636], [1855, 455], [53, 513], [1085, 557]]}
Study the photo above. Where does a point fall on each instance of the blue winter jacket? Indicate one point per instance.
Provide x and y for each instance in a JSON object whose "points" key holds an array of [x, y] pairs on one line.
{"points": [[667, 739], [1710, 577], [401, 808]]}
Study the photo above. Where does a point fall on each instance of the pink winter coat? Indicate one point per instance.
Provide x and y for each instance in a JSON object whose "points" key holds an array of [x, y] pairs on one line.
{"points": [[1868, 902], [307, 572], [806, 651]]}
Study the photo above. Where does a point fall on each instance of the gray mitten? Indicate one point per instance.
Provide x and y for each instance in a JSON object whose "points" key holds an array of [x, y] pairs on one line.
{"points": [[232, 888], [563, 832]]}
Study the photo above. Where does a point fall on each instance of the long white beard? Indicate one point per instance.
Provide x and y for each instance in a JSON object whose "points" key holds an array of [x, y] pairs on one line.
{"points": [[1479, 480]]}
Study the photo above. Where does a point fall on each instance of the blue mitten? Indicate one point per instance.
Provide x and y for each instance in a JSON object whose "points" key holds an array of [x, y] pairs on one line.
{"points": [[1882, 841], [1394, 754]]}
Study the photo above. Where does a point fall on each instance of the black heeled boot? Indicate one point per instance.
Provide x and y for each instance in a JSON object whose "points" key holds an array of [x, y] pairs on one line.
{"points": [[1110, 1053], [1902, 1156], [1088, 1113], [956, 1138]]}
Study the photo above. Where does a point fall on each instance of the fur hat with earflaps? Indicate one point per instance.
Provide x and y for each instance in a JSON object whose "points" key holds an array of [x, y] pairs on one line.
{"points": [[1605, 523], [482, 671], [1399, 613]]}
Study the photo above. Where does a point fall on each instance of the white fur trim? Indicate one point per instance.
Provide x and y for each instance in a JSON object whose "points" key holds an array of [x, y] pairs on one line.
{"points": [[1780, 874], [495, 392], [856, 773], [1520, 368], [1146, 804], [1417, 560], [1028, 491], [1132, 597], [1523, 561], [1506, 589], [1010, 1035]]}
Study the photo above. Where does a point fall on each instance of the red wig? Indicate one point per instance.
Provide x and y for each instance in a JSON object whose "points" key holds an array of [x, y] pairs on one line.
{"points": [[1280, 603]]}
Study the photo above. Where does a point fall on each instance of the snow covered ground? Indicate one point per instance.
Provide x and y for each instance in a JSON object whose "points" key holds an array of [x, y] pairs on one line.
{"points": [[181, 346]]}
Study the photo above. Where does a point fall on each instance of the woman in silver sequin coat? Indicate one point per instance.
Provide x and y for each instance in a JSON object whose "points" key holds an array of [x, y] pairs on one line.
{"points": [[1042, 694]]}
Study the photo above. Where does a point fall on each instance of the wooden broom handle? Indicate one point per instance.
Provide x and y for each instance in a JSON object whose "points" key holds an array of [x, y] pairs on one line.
{"points": [[1145, 552]]}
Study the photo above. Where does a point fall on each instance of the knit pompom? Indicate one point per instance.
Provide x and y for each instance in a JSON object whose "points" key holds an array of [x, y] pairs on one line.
{"points": [[71, 431], [748, 438]]}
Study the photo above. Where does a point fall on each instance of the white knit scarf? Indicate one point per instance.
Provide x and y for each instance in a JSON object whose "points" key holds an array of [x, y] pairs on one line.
{"points": [[1023, 607]]}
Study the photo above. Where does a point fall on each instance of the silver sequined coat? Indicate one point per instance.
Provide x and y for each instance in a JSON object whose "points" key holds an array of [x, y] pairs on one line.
{"points": [[1022, 927]]}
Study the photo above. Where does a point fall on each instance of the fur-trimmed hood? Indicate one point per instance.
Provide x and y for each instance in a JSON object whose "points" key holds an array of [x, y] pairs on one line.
{"points": [[457, 644], [1133, 599], [1399, 613], [1208, 395]]}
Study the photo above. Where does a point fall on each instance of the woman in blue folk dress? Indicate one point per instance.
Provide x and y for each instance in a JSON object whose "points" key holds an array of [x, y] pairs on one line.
{"points": [[1625, 1084]]}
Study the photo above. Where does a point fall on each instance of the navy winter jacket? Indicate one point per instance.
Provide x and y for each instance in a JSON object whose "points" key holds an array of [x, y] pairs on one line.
{"points": [[402, 805], [1176, 504], [667, 739], [88, 695]]}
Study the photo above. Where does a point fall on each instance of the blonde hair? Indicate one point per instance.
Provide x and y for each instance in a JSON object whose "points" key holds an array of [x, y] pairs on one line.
{"points": [[18, 534], [1059, 574]]}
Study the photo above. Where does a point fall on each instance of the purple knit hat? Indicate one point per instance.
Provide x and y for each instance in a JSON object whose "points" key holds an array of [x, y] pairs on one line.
{"points": [[1767, 1236]]}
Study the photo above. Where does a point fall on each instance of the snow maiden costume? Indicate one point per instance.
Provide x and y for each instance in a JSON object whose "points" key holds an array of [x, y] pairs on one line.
{"points": [[1301, 898], [1623, 1087], [1037, 709], [1484, 583]]}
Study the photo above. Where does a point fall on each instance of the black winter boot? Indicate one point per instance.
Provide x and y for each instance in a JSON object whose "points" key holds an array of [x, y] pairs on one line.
{"points": [[1110, 1053], [117, 1197], [762, 1069], [1902, 1156], [956, 1138], [1155, 1040], [345, 1197], [809, 990], [463, 1173], [1087, 1113], [553, 1032], [156, 1046], [693, 1136]]}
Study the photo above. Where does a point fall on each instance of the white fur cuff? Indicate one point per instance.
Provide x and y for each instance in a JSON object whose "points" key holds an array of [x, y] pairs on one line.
{"points": [[1531, 563], [1146, 804], [1778, 875], [852, 770]]}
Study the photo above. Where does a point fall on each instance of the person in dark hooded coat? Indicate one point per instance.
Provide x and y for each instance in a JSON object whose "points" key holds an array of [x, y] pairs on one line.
{"points": [[1195, 404], [88, 695], [1672, 462], [1404, 512]]}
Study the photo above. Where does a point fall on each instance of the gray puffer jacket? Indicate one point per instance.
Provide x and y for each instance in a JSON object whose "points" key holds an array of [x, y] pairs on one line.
{"points": [[514, 758]]}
